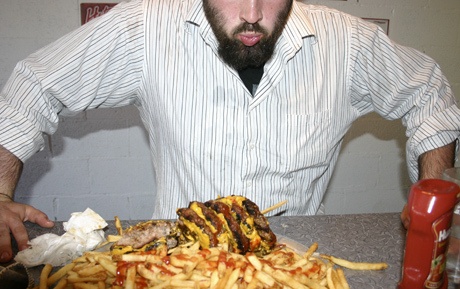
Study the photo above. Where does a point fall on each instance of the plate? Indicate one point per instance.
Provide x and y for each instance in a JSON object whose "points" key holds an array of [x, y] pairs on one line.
{"points": [[296, 246]]}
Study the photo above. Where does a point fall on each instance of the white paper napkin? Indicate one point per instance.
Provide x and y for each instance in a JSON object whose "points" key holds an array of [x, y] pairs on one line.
{"points": [[84, 231]]}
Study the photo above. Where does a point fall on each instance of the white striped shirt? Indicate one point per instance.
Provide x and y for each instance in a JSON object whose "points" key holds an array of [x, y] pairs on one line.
{"points": [[208, 135]]}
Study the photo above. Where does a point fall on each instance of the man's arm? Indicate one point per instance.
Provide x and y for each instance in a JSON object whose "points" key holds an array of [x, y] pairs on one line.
{"points": [[431, 166], [10, 171], [12, 215], [433, 163]]}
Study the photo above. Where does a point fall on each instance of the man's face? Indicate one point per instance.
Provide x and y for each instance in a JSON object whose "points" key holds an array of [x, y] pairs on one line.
{"points": [[247, 30]]}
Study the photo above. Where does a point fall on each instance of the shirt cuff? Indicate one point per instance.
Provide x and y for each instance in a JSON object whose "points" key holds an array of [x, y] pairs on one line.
{"points": [[439, 130]]}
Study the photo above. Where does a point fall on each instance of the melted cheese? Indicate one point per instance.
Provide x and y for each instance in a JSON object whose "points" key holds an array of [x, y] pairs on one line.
{"points": [[195, 233], [257, 245], [247, 225]]}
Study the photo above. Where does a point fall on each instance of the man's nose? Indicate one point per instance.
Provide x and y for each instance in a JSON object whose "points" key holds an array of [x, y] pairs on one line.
{"points": [[251, 11]]}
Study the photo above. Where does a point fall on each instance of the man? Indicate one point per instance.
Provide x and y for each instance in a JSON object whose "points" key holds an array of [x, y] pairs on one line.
{"points": [[238, 97]]}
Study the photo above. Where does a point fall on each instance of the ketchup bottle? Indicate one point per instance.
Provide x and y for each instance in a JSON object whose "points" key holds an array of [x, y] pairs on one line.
{"points": [[431, 203]]}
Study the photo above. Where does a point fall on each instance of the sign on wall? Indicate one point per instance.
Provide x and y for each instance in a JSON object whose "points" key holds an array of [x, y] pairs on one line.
{"points": [[89, 11], [383, 23]]}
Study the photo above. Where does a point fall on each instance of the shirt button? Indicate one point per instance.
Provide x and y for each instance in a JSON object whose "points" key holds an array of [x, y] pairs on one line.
{"points": [[251, 146], [248, 184]]}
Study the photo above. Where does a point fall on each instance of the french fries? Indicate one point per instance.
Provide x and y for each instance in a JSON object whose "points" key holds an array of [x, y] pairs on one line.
{"points": [[355, 265], [44, 276], [188, 266]]}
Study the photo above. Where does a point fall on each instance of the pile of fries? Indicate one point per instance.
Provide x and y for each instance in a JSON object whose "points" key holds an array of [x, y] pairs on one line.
{"points": [[188, 266]]}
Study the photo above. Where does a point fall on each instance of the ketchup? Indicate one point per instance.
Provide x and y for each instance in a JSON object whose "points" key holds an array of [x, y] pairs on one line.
{"points": [[431, 203]]}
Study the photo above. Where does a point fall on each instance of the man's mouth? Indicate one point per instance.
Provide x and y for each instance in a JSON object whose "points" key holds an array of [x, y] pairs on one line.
{"points": [[249, 39]]}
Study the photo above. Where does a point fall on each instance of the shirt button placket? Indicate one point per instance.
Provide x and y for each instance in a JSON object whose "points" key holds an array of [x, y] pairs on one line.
{"points": [[250, 152]]}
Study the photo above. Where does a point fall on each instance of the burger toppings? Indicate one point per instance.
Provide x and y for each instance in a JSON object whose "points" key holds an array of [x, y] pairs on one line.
{"points": [[204, 233], [235, 237], [261, 224], [232, 220]]}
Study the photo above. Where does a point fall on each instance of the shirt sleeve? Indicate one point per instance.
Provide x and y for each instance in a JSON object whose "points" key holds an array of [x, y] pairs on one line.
{"points": [[97, 65], [401, 82]]}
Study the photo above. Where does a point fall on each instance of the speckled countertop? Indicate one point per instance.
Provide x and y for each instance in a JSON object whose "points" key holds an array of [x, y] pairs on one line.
{"points": [[362, 238]]}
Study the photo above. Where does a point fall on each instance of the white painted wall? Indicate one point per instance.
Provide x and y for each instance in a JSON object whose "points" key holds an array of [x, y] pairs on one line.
{"points": [[100, 158]]}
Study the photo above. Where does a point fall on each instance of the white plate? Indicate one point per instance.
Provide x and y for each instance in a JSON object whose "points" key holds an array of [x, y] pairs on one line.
{"points": [[296, 246]]}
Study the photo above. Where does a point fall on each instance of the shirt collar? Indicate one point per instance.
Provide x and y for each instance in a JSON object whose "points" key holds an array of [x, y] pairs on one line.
{"points": [[298, 26], [197, 17]]}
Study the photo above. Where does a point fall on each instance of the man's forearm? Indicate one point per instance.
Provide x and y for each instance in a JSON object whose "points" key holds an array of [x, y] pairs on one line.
{"points": [[433, 163], [10, 171]]}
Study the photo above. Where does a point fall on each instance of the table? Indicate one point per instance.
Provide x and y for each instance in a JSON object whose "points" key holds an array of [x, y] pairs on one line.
{"points": [[361, 238]]}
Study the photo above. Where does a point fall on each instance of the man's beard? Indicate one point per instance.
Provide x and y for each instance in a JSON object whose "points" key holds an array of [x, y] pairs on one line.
{"points": [[233, 51]]}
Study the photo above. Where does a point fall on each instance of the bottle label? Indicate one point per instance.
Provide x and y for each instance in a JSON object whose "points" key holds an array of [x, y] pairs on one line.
{"points": [[441, 232]]}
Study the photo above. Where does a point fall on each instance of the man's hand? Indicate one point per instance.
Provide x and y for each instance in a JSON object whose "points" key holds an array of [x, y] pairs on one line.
{"points": [[12, 217], [405, 217]]}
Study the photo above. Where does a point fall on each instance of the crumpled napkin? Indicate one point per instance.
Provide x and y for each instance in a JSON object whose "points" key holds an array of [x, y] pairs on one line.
{"points": [[84, 231]]}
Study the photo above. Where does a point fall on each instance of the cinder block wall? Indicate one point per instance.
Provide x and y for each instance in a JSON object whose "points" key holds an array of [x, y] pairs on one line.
{"points": [[100, 159]]}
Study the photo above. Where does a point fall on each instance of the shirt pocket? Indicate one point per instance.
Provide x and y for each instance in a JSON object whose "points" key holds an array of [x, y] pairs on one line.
{"points": [[307, 141]]}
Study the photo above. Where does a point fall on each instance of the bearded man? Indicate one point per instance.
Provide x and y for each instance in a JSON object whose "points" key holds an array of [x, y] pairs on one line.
{"points": [[238, 97]]}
